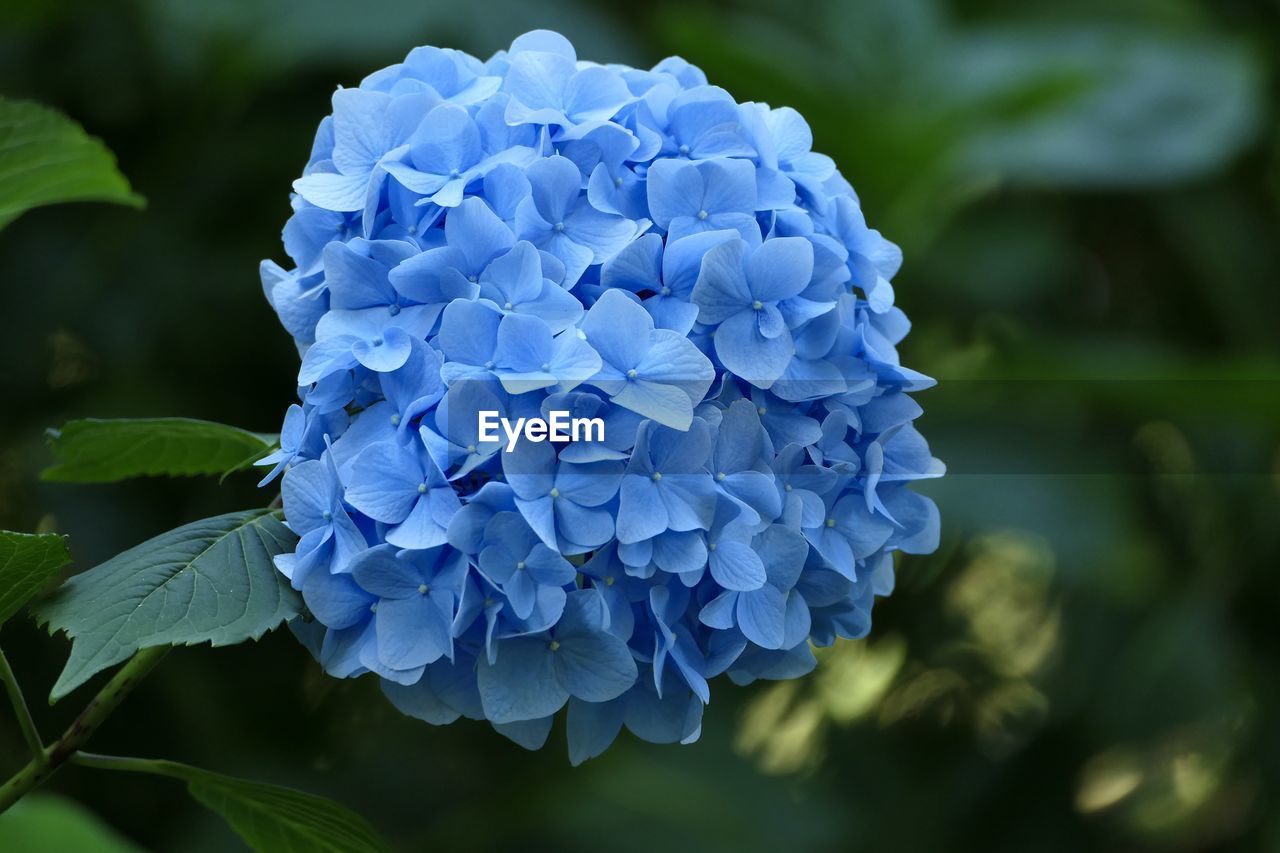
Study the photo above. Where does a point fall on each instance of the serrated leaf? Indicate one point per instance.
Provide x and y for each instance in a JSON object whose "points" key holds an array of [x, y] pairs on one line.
{"points": [[105, 451], [27, 562], [46, 158], [273, 819], [209, 581]]}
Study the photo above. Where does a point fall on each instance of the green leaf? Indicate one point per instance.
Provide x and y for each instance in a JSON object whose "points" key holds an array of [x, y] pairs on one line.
{"points": [[46, 158], [105, 451], [1155, 110], [271, 818], [209, 581], [27, 562], [46, 823]]}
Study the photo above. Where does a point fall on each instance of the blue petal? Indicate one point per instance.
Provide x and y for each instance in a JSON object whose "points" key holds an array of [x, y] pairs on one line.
{"points": [[783, 552], [531, 734], [641, 511], [730, 186], [735, 566], [386, 353], [521, 684], [590, 484], [680, 552], [469, 332], [419, 701], [673, 717], [636, 267], [324, 358], [617, 327], [762, 616], [594, 667], [674, 360], [556, 183], [690, 500], [605, 234], [385, 483], [336, 600], [675, 189], [864, 531], [447, 141], [749, 355], [357, 129], [380, 572], [718, 613], [780, 268], [540, 513], [591, 727], [740, 439], [478, 233], [582, 527], [333, 191], [524, 344], [536, 79], [721, 290], [798, 622], [544, 41], [595, 93], [425, 525], [678, 452], [413, 631]]}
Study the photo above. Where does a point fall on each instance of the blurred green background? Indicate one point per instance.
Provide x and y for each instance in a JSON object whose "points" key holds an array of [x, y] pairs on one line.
{"points": [[1088, 195]]}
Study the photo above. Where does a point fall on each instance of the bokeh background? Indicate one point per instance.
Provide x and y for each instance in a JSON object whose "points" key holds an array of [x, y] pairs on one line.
{"points": [[1088, 195]]}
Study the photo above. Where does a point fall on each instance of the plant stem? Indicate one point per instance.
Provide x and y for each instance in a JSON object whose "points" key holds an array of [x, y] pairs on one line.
{"points": [[94, 714], [154, 766], [20, 709]]}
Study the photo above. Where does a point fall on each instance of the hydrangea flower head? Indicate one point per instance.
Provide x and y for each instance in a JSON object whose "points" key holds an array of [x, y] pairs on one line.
{"points": [[536, 234]]}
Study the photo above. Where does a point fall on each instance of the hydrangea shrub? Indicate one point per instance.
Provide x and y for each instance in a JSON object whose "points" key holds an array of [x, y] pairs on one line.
{"points": [[537, 234]]}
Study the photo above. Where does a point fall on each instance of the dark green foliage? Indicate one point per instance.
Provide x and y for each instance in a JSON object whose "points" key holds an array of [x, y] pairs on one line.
{"points": [[106, 451], [211, 581], [46, 158], [28, 561]]}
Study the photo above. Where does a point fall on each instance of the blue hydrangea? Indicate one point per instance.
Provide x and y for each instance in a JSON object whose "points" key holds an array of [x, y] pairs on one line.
{"points": [[532, 234]]}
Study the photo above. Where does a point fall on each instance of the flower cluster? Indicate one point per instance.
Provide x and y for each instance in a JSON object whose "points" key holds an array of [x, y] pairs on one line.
{"points": [[537, 233]]}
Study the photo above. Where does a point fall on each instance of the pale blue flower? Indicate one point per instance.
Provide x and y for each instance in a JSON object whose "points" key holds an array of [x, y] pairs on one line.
{"points": [[710, 195], [547, 86], [368, 127], [538, 236], [404, 488], [739, 464], [518, 561], [704, 122], [663, 274], [328, 537], [303, 435], [667, 486], [558, 218], [774, 615], [849, 532], [445, 155], [417, 595], [534, 676], [563, 502], [451, 433], [752, 296], [653, 372]]}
